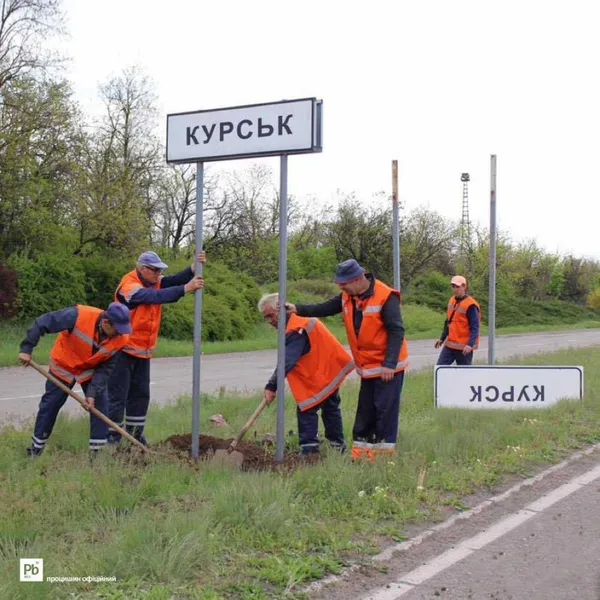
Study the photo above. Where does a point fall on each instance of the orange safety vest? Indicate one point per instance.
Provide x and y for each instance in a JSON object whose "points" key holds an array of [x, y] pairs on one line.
{"points": [[72, 356], [458, 323], [145, 318], [369, 347], [320, 371]]}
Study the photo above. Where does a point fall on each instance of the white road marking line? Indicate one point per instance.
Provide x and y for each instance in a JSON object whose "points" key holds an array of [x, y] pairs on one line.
{"points": [[80, 391], [21, 397], [440, 563], [403, 546]]}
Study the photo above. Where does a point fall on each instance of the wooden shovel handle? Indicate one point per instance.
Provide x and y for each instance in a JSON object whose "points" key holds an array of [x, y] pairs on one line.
{"points": [[83, 403], [248, 424]]}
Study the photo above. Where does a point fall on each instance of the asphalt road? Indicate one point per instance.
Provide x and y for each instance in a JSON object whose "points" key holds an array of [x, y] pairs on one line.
{"points": [[553, 555], [245, 372], [537, 540]]}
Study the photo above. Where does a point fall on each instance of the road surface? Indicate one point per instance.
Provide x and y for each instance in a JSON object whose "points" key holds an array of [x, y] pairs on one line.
{"points": [[245, 372]]}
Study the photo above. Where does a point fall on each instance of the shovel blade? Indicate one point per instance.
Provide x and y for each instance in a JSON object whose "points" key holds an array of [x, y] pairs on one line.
{"points": [[233, 458]]}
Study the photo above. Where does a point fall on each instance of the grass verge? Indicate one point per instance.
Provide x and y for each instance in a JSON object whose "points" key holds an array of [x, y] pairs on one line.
{"points": [[166, 530]]}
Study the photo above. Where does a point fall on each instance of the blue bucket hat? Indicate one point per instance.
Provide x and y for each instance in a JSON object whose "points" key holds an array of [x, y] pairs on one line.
{"points": [[347, 271], [118, 315], [151, 259]]}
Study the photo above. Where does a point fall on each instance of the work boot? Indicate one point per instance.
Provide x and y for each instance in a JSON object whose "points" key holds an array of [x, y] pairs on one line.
{"points": [[141, 438], [32, 451]]}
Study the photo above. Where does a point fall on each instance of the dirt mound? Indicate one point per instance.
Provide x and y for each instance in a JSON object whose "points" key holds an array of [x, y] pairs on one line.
{"points": [[256, 457]]}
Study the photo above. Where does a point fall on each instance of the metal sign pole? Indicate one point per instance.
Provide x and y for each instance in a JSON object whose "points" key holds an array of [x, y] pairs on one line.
{"points": [[197, 315], [492, 290], [283, 180], [395, 225]]}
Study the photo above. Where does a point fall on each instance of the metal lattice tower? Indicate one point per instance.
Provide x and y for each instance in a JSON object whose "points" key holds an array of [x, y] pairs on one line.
{"points": [[465, 222]]}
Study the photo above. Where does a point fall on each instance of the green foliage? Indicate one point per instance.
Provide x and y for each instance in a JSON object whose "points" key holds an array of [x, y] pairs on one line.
{"points": [[102, 275], [8, 292], [48, 282], [593, 299], [228, 311], [314, 262]]}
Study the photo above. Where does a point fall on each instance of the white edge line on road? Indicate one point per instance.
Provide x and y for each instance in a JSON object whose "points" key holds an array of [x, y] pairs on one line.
{"points": [[403, 546], [40, 395], [441, 562], [21, 397]]}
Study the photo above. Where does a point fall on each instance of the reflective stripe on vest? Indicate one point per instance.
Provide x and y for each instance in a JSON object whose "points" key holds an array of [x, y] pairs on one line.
{"points": [[379, 370], [329, 389], [138, 352], [60, 372]]}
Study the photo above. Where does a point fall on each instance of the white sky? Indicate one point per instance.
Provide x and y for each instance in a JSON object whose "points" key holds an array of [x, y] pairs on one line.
{"points": [[437, 85]]}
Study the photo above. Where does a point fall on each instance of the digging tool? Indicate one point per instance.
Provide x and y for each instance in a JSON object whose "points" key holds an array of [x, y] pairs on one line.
{"points": [[231, 455], [83, 403]]}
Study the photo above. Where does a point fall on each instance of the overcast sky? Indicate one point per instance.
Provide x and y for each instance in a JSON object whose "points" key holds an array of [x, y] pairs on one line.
{"points": [[439, 86]]}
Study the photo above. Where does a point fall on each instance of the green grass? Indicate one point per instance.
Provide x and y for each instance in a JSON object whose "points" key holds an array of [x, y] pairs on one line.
{"points": [[420, 322], [167, 530]]}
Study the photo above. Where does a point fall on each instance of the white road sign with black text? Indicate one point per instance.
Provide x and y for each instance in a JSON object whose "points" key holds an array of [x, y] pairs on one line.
{"points": [[506, 386], [287, 127]]}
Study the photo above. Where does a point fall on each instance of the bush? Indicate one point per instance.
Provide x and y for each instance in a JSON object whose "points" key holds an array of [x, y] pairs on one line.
{"points": [[314, 262], [8, 292], [593, 299], [228, 311], [48, 282], [102, 276]]}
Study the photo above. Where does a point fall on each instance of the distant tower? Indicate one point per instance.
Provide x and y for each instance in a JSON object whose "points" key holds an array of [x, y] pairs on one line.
{"points": [[465, 241]]}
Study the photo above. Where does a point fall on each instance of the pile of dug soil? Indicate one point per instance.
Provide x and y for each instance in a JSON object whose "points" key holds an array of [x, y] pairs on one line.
{"points": [[256, 458]]}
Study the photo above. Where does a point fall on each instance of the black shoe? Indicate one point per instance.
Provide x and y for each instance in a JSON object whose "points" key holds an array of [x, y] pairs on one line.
{"points": [[142, 440], [33, 451]]}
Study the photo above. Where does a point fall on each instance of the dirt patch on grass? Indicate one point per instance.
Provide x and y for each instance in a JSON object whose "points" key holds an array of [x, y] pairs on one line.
{"points": [[256, 457]]}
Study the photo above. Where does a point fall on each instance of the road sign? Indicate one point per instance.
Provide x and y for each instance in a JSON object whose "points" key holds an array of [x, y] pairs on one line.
{"points": [[274, 128], [269, 129], [489, 386]]}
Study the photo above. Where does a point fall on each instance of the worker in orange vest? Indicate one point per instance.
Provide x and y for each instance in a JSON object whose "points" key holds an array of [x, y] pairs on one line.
{"points": [[316, 364], [460, 336], [371, 312], [84, 352], [143, 290]]}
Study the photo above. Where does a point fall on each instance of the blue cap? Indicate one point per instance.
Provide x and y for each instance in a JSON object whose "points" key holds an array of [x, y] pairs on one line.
{"points": [[118, 314], [151, 259], [347, 271]]}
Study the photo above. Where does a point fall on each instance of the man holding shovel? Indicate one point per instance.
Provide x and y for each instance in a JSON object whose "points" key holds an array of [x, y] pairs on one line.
{"points": [[316, 364], [84, 352], [143, 290], [371, 312]]}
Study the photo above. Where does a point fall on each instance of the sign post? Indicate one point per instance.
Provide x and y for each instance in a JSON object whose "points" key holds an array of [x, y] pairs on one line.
{"points": [[492, 252], [270, 129], [395, 225]]}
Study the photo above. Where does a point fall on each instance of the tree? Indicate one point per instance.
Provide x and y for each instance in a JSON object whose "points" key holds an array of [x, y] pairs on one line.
{"points": [[427, 242], [120, 189], [40, 143], [24, 26], [363, 233]]}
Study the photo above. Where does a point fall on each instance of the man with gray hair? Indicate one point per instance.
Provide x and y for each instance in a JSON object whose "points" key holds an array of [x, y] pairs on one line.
{"points": [[143, 290], [316, 364]]}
